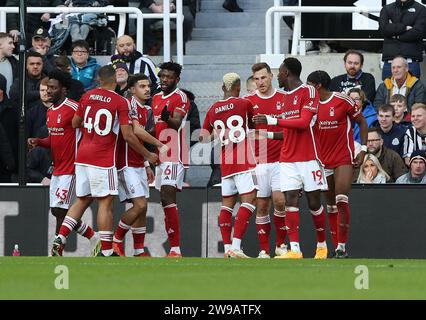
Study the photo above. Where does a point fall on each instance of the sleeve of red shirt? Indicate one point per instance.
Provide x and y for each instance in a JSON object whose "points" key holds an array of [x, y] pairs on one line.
{"points": [[250, 113], [80, 109], [44, 143], [123, 112], [182, 107], [352, 110], [301, 123], [207, 125]]}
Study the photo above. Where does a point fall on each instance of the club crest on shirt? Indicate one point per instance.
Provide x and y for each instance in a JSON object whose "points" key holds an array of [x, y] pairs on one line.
{"points": [[331, 111], [295, 100], [279, 106], [58, 120]]}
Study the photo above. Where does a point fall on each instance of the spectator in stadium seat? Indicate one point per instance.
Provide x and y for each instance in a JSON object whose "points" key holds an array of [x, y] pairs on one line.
{"points": [[76, 89], [83, 67], [415, 137], [392, 133], [34, 20], [402, 24], [371, 171], [34, 67], [402, 116], [8, 63], [417, 172], [403, 82], [389, 160], [36, 116], [367, 108], [8, 135], [39, 165], [41, 43], [354, 76], [136, 62], [121, 77]]}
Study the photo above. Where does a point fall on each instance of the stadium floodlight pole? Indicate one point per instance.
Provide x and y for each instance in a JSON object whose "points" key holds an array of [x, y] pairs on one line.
{"points": [[22, 97]]}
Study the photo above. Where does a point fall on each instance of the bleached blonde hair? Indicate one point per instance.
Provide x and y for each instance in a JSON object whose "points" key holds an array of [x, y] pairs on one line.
{"points": [[230, 80]]}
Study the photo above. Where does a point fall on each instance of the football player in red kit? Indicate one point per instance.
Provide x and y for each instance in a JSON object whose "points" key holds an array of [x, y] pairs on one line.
{"points": [[333, 128], [267, 100], [300, 164], [62, 141], [228, 119]]}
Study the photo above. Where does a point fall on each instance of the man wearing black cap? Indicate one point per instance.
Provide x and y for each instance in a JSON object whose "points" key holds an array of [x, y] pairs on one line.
{"points": [[41, 43], [121, 76], [417, 173]]}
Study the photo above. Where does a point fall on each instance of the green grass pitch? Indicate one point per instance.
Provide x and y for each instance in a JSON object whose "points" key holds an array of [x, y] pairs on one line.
{"points": [[210, 279]]}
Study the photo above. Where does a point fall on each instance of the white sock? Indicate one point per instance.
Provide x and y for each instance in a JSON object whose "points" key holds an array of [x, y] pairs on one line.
{"points": [[107, 253], [295, 246], [341, 246], [236, 243], [227, 247], [175, 249], [139, 251], [322, 244]]}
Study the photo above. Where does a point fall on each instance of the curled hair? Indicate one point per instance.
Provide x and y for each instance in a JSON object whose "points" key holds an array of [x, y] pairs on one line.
{"points": [[64, 78], [172, 66], [320, 77], [293, 66]]}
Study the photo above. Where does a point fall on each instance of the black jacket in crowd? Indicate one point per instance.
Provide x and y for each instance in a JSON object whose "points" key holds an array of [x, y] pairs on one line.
{"points": [[36, 119], [193, 116], [32, 91], [397, 40], [363, 80]]}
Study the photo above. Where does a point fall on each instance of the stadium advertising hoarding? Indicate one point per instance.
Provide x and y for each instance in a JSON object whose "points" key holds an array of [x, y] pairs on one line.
{"points": [[386, 222]]}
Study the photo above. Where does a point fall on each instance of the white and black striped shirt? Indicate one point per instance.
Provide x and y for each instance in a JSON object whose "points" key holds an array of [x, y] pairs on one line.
{"points": [[413, 140]]}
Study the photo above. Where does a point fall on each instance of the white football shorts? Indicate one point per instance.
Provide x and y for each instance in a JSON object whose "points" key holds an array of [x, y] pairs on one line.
{"points": [[132, 183], [241, 183], [96, 182], [306, 175], [62, 191], [268, 179], [169, 174]]}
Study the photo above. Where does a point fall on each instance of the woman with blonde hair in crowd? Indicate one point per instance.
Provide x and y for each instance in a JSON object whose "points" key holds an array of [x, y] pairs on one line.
{"points": [[371, 171]]}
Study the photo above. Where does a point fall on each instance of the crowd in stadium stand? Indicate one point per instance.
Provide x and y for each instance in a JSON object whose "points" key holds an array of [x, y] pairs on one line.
{"points": [[395, 112]]}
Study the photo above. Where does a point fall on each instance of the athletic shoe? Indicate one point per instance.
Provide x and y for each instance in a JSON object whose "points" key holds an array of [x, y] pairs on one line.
{"points": [[340, 254], [143, 254], [100, 254], [321, 253], [173, 254], [57, 248], [263, 255], [118, 248], [281, 250], [291, 255], [237, 254], [95, 245]]}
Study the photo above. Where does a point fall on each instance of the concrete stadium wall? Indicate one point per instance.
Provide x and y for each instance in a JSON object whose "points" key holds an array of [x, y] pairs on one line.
{"points": [[386, 222]]}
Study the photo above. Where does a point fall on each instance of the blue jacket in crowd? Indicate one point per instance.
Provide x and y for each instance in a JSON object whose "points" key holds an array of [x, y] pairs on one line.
{"points": [[370, 115], [87, 74]]}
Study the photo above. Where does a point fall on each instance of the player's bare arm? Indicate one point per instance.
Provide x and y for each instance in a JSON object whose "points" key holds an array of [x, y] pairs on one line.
{"points": [[363, 131], [300, 123], [77, 121], [132, 140], [145, 136]]}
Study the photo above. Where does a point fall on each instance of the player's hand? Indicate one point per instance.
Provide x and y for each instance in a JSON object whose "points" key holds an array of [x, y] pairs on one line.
{"points": [[45, 181], [369, 176], [260, 119], [163, 149], [32, 143], [165, 114], [152, 158], [359, 159], [45, 17], [150, 175]]}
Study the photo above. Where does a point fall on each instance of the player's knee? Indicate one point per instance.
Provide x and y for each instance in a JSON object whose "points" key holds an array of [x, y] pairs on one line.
{"points": [[342, 198], [140, 206]]}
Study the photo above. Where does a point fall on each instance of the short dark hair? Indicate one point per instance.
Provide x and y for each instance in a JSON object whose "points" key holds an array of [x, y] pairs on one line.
{"points": [[386, 108], [61, 61], [133, 79], [293, 65], [80, 43], [106, 72], [259, 66], [351, 51], [398, 98], [172, 66], [376, 130], [320, 77], [64, 78], [34, 54]]}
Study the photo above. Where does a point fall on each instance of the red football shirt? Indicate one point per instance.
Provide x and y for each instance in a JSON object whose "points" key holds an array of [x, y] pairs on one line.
{"points": [[126, 156], [103, 111], [63, 137], [299, 144], [334, 130], [229, 118], [268, 150], [178, 102]]}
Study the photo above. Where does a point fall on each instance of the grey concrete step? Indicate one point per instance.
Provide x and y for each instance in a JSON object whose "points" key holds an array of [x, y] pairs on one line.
{"points": [[217, 59], [214, 75], [240, 47], [244, 4], [234, 33], [229, 19]]}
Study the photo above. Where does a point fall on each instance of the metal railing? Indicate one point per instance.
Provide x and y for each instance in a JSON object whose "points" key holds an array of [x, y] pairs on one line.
{"points": [[277, 12], [121, 11]]}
